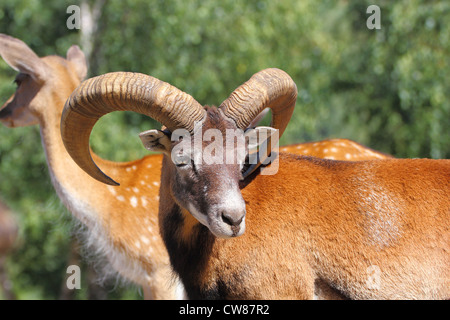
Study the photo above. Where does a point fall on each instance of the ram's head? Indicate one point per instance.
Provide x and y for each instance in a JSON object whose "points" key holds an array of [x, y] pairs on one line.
{"points": [[206, 148]]}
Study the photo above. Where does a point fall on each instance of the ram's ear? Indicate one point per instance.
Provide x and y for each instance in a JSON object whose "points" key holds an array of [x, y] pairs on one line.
{"points": [[156, 140], [261, 149], [256, 138]]}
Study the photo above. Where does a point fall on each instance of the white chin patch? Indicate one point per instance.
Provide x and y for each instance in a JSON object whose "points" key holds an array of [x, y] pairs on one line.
{"points": [[217, 228], [223, 230], [198, 215]]}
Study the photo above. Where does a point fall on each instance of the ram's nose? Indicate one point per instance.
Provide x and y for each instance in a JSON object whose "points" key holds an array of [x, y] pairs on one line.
{"points": [[233, 221], [230, 218], [233, 218]]}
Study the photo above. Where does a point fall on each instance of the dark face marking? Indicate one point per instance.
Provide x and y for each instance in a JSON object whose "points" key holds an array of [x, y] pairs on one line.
{"points": [[210, 191]]}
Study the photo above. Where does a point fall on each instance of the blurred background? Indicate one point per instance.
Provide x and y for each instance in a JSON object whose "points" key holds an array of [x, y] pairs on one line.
{"points": [[388, 89]]}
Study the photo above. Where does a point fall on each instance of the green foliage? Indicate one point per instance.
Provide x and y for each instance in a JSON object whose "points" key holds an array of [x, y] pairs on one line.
{"points": [[387, 88]]}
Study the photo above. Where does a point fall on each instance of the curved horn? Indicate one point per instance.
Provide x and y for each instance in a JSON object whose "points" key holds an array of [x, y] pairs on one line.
{"points": [[270, 88], [122, 91]]}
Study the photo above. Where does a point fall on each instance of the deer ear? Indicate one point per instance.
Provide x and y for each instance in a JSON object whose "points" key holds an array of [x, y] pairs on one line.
{"points": [[77, 57], [21, 58], [155, 140]]}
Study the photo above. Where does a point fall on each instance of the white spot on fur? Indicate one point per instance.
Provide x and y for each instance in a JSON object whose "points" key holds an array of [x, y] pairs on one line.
{"points": [[128, 169], [156, 183], [114, 262], [149, 166], [348, 156], [134, 202], [135, 190], [112, 190], [98, 242], [134, 167], [144, 201], [145, 240]]}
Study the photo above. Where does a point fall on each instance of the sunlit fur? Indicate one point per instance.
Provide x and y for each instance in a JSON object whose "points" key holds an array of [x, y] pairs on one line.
{"points": [[318, 229], [335, 149], [121, 221]]}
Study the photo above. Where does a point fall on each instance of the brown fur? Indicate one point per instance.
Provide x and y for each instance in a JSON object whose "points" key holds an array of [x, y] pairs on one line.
{"points": [[121, 216], [321, 226], [335, 149], [122, 221]]}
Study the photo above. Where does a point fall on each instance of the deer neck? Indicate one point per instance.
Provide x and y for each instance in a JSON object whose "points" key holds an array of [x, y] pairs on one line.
{"points": [[72, 184]]}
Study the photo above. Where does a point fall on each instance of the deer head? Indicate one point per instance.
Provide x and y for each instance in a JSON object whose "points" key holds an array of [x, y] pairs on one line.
{"points": [[36, 80]]}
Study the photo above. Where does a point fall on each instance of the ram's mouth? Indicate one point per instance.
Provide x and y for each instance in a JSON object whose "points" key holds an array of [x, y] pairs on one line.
{"points": [[223, 229]]}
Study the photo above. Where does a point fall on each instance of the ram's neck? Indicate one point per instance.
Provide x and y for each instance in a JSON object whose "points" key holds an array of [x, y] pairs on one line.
{"points": [[188, 242]]}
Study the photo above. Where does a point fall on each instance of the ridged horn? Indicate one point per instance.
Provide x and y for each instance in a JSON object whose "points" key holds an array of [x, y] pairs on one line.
{"points": [[270, 88], [122, 91]]}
